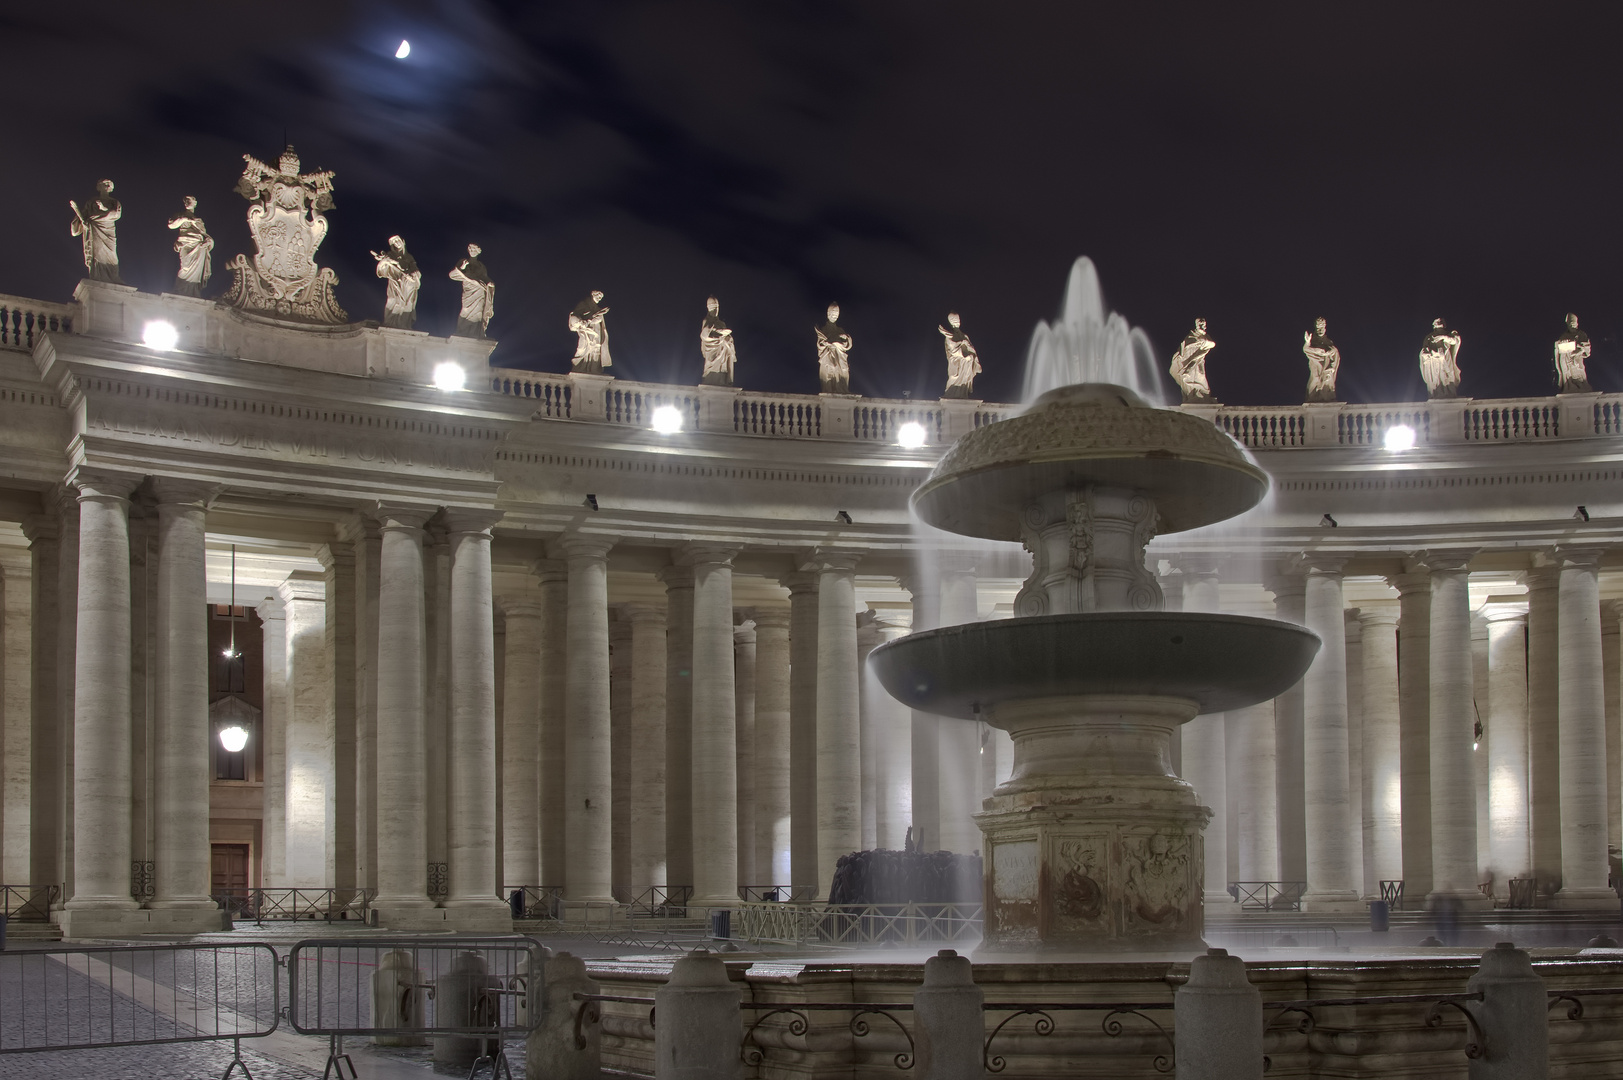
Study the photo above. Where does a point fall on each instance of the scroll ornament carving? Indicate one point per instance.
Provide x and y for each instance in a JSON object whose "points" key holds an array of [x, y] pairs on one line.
{"points": [[288, 225], [1157, 887]]}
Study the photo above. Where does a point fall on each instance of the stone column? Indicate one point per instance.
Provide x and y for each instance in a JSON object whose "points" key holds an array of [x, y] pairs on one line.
{"points": [[1205, 759], [1479, 744], [341, 623], [44, 767], [67, 662], [620, 821], [715, 727], [744, 643], [1543, 741], [182, 858], [1610, 658], [1249, 737], [1289, 762], [1333, 884], [1509, 843], [437, 700], [367, 541], [772, 745], [309, 738], [16, 734], [1452, 724], [1414, 722], [803, 634], [402, 902], [960, 742], [587, 782], [867, 638], [839, 763], [521, 739], [101, 721], [647, 745], [1355, 748], [552, 576], [926, 737], [678, 724], [893, 747], [273, 720], [1383, 767], [1582, 727]]}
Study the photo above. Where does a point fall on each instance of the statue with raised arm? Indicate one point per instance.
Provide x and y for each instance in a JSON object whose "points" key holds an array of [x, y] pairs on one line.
{"points": [[1189, 365], [717, 346], [96, 225], [833, 354], [288, 222], [478, 295], [1571, 351], [592, 347], [1323, 361], [963, 362], [195, 247], [399, 268], [1439, 361]]}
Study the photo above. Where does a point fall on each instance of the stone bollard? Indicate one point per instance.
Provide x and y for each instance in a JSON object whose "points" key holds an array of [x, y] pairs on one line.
{"points": [[532, 969], [1217, 1021], [1513, 1015], [552, 1051], [698, 1025], [395, 997], [949, 1025], [459, 997]]}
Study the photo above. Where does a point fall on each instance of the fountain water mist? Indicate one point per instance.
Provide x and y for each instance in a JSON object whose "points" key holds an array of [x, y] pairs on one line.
{"points": [[1087, 344]]}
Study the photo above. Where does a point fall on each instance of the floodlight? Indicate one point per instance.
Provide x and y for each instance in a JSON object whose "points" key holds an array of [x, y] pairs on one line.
{"points": [[667, 419], [160, 335], [449, 376], [1399, 437], [911, 435], [234, 738]]}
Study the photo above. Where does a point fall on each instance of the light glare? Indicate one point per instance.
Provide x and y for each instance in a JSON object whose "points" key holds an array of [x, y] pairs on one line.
{"points": [[234, 738], [404, 50], [449, 376], [1399, 437], [160, 335], [667, 419], [910, 436]]}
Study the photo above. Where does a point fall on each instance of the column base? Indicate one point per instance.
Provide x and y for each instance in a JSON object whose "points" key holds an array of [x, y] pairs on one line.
{"points": [[109, 922], [409, 914], [480, 916], [1585, 899], [1217, 899], [1332, 901], [1468, 901]]}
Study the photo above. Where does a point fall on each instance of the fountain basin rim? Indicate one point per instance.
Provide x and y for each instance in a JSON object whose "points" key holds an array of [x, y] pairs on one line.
{"points": [[1221, 662]]}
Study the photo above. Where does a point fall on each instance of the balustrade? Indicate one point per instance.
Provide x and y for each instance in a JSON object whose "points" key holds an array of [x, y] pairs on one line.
{"points": [[24, 322]]}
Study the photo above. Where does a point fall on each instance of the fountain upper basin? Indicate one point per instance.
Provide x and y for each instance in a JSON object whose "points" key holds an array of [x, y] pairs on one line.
{"points": [[1221, 662]]}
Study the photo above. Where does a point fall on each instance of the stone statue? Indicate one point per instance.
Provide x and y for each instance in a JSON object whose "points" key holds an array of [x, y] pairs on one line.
{"points": [[478, 295], [1571, 351], [717, 345], [963, 362], [1323, 361], [397, 266], [1189, 364], [833, 354], [287, 223], [1439, 361], [592, 352], [195, 247], [96, 224]]}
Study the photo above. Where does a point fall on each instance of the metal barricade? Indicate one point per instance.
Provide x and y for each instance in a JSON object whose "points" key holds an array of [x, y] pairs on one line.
{"points": [[331, 988], [85, 998], [28, 903]]}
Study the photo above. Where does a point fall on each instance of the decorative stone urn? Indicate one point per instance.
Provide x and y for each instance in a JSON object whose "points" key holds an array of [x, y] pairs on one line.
{"points": [[1092, 845]]}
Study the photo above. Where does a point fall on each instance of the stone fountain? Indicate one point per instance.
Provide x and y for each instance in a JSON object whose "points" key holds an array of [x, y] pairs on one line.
{"points": [[1092, 845]]}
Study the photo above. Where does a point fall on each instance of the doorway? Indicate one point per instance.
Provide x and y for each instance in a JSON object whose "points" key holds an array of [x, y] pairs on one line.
{"points": [[230, 870]]}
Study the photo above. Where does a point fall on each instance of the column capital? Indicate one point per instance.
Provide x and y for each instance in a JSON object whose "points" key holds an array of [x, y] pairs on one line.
{"points": [[706, 553], [1545, 573], [823, 560], [1355, 624], [1610, 610], [744, 633], [358, 528], [391, 515], [460, 520], [549, 570], [1202, 564], [774, 617], [957, 562], [334, 553], [1445, 560], [1411, 580], [303, 585], [1313, 562], [271, 608], [1380, 616], [676, 577], [521, 605], [40, 527], [799, 582], [103, 484], [177, 490], [643, 614], [1579, 556], [575, 546], [1504, 613]]}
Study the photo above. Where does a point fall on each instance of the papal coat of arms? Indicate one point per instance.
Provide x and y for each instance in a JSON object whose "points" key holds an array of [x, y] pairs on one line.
{"points": [[288, 226]]}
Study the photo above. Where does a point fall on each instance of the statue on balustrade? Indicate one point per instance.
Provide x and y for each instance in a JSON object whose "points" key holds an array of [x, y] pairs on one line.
{"points": [[288, 223], [833, 354], [96, 224], [1439, 361], [963, 362], [478, 295], [716, 345], [1189, 365], [1323, 361], [195, 247], [592, 350], [1571, 351], [399, 268]]}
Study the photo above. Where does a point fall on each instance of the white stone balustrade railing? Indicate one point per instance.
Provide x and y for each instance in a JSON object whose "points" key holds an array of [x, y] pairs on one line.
{"points": [[1462, 420], [23, 321]]}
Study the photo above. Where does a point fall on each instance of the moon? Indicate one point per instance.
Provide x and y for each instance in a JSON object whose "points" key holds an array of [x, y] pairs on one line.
{"points": [[404, 50]]}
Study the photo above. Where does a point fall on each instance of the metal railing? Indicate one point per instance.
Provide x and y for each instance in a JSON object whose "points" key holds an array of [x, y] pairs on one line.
{"points": [[29, 903], [138, 995], [1268, 895], [661, 901], [540, 901], [1523, 893], [278, 905], [766, 894], [857, 924], [1392, 893], [24, 322]]}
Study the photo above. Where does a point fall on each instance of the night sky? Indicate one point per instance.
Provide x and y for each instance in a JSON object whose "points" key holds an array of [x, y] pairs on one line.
{"points": [[1256, 165]]}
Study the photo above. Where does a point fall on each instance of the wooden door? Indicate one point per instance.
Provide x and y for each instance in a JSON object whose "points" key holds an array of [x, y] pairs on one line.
{"points": [[230, 870]]}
